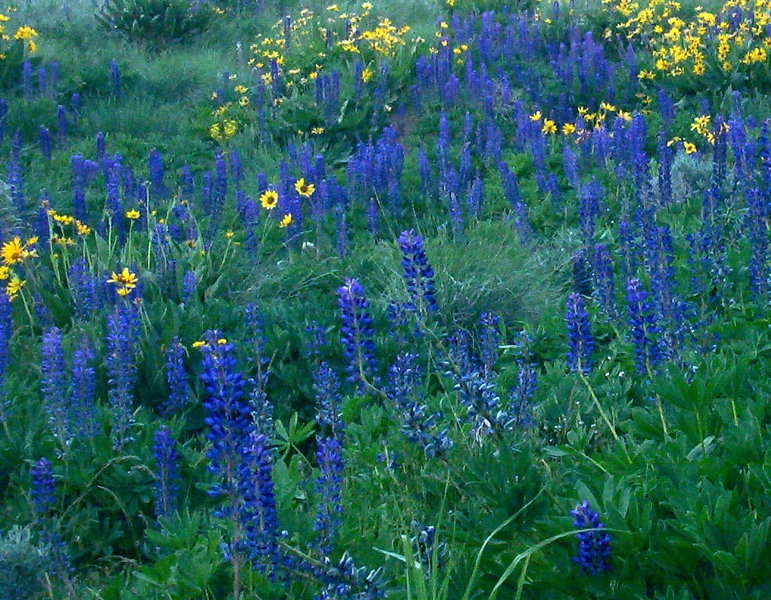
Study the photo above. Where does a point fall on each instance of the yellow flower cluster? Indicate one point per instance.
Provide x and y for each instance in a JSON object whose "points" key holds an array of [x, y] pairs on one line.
{"points": [[124, 281], [686, 40], [24, 33], [62, 222], [221, 131], [350, 32], [15, 252]]}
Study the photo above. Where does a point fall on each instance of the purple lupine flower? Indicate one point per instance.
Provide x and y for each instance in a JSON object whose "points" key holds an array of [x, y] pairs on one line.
{"points": [[419, 426], [476, 197], [582, 273], [42, 225], [43, 489], [113, 202], [186, 183], [356, 331], [580, 340], [326, 386], [84, 289], [45, 142], [166, 472], [120, 364], [6, 331], [43, 492], [115, 78], [236, 167], [79, 182], [594, 547], [189, 285], [176, 378], [258, 512], [757, 231], [227, 417], [519, 411], [54, 388], [489, 340], [26, 80], [62, 124], [603, 281], [257, 340], [157, 173], [418, 274], [16, 184], [329, 487], [83, 395], [53, 77], [643, 327], [590, 197]]}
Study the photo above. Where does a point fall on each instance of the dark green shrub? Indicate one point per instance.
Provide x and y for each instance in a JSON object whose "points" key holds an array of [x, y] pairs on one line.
{"points": [[155, 22]]}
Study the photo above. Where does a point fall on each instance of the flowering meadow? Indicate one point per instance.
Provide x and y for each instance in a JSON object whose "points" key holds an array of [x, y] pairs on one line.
{"points": [[400, 299]]}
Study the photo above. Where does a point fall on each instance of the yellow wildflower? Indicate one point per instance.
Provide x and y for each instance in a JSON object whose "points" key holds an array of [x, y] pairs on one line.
{"points": [[536, 116], [549, 127], [125, 280], [304, 189], [14, 287], [24, 33], [568, 128], [15, 252], [269, 199], [5, 273], [133, 214], [286, 220]]}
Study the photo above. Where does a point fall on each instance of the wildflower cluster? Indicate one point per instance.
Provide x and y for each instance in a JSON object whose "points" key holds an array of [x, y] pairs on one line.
{"points": [[687, 41], [15, 254], [23, 36]]}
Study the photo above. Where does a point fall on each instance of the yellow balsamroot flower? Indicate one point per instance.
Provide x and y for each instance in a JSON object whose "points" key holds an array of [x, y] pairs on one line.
{"points": [[125, 281], [223, 130], [132, 214], [198, 344], [689, 147], [568, 128], [269, 199], [366, 75], [243, 101], [755, 55], [240, 89], [15, 252], [31, 46], [304, 189], [14, 287], [536, 116], [82, 228], [229, 234], [5, 273], [64, 219], [317, 131], [24, 33], [549, 127], [285, 221]]}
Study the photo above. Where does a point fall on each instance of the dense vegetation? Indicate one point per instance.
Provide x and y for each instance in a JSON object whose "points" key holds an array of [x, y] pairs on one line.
{"points": [[458, 300]]}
